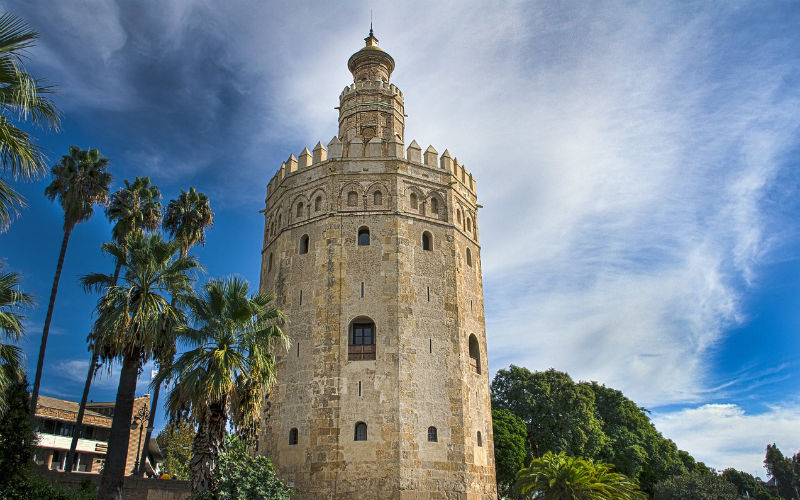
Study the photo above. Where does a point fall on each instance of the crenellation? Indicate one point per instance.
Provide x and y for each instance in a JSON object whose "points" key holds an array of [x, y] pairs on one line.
{"points": [[431, 157], [413, 153], [291, 164], [356, 148], [335, 148], [304, 160], [374, 147], [446, 161], [320, 153]]}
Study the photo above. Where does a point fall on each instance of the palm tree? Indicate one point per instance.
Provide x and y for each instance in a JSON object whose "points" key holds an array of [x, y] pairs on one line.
{"points": [[561, 477], [12, 302], [128, 327], [186, 221], [135, 208], [228, 370], [80, 181], [26, 97]]}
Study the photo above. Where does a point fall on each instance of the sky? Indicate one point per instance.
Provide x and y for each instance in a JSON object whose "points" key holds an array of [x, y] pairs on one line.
{"points": [[637, 163]]}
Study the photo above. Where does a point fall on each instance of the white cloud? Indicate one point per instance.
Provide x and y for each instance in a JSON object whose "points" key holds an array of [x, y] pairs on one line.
{"points": [[724, 435], [73, 371]]}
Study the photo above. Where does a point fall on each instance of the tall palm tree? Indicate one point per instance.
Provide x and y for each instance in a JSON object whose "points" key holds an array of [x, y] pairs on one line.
{"points": [[186, 221], [129, 323], [21, 96], [12, 303], [79, 182], [134, 208], [228, 370], [561, 477]]}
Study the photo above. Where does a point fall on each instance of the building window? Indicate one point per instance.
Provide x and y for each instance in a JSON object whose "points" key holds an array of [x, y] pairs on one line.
{"points": [[474, 354], [432, 437], [458, 216], [480, 439], [363, 236], [318, 204], [435, 206], [269, 263], [468, 225], [300, 209], [377, 198], [427, 241], [293, 436], [413, 201], [360, 433], [352, 199], [361, 345], [304, 244], [469, 257]]}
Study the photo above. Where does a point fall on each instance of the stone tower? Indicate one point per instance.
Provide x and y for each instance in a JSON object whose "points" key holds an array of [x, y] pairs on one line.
{"points": [[371, 250]]}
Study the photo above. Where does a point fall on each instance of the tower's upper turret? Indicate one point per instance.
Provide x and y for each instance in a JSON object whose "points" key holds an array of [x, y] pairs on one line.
{"points": [[371, 63], [371, 107]]}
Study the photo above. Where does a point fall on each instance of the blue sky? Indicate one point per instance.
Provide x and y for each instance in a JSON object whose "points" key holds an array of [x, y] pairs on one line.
{"points": [[638, 165]]}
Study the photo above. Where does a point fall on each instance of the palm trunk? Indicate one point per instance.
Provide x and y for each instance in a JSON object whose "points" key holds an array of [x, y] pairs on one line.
{"points": [[150, 423], [116, 457], [46, 331], [207, 446], [78, 433]]}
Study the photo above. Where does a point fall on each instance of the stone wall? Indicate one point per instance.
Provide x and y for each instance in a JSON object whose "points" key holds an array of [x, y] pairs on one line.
{"points": [[134, 488]]}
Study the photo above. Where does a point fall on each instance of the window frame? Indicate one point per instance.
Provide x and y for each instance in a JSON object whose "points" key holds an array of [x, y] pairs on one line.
{"points": [[356, 435], [363, 230]]}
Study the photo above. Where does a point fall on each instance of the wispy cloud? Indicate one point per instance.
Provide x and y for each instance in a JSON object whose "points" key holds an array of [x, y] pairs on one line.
{"points": [[724, 435]]}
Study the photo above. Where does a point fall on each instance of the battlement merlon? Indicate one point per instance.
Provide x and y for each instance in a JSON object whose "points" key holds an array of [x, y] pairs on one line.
{"points": [[376, 148]]}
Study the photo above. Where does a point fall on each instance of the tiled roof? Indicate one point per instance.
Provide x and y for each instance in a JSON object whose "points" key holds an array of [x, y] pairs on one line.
{"points": [[62, 404]]}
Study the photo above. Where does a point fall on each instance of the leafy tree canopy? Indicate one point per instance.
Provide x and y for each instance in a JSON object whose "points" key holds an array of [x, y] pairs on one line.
{"points": [[589, 420], [697, 486], [748, 486], [175, 442], [509, 448], [785, 471]]}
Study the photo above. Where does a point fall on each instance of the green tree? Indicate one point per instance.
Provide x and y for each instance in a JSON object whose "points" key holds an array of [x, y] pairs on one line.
{"points": [[130, 318], [560, 414], [23, 97], [175, 442], [240, 476], [509, 448], [134, 208], [226, 373], [79, 182], [186, 221], [695, 486], [748, 486], [12, 303], [16, 431], [785, 471], [562, 477]]}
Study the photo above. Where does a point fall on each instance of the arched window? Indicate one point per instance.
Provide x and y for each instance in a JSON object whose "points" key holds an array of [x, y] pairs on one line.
{"points": [[480, 439], [293, 436], [458, 216], [435, 206], [468, 225], [318, 204], [299, 209], [469, 258], [474, 353], [363, 236], [269, 263], [413, 201], [360, 433], [427, 241], [432, 437], [304, 244], [377, 198], [352, 199], [361, 344]]}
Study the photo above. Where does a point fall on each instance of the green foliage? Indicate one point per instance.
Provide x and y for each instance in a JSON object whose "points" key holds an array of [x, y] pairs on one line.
{"points": [[12, 304], [175, 442], [695, 486], [588, 420], [509, 448], [25, 97], [35, 487], [240, 476], [748, 486], [561, 477], [16, 431], [80, 181], [187, 218], [785, 471]]}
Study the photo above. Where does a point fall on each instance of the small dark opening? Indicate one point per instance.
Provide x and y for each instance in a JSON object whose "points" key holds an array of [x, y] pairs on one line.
{"points": [[363, 237], [304, 244], [293, 436], [432, 435], [360, 433]]}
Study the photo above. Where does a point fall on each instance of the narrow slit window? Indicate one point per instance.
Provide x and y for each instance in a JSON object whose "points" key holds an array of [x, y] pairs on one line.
{"points": [[359, 388], [413, 201], [363, 236], [427, 241], [474, 354], [469, 257], [480, 439], [458, 216], [362, 289], [432, 435], [301, 297], [293, 436], [304, 244], [318, 204], [429, 294], [360, 432], [269, 263], [430, 346], [468, 225], [298, 350], [435, 206]]}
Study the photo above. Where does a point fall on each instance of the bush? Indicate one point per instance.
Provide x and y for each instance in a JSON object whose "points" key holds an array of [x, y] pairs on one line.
{"points": [[31, 486], [240, 476], [695, 486]]}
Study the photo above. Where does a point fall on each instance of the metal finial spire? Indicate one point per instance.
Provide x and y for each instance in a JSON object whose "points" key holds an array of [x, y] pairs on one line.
{"points": [[370, 23]]}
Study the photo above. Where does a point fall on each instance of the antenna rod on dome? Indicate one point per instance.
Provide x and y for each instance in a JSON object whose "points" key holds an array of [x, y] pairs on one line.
{"points": [[370, 23]]}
